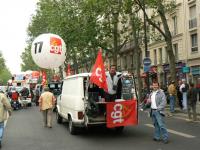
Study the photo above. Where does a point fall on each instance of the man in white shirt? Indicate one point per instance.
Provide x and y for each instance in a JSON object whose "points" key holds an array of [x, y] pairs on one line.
{"points": [[113, 79], [157, 101]]}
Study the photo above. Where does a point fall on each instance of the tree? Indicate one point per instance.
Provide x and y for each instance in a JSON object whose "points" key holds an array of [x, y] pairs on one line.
{"points": [[2, 62], [136, 34], [5, 74], [27, 60], [161, 7]]}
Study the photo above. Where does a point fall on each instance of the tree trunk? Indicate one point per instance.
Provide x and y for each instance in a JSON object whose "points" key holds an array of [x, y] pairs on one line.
{"points": [[136, 57], [168, 40]]}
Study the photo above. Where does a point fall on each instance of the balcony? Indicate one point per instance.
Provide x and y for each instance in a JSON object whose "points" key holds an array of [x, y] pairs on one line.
{"points": [[192, 23]]}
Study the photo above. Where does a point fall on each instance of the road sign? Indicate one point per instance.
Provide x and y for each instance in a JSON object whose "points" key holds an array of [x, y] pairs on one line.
{"points": [[147, 68], [146, 61]]}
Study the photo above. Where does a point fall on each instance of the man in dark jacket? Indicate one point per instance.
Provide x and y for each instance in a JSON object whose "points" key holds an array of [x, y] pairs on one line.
{"points": [[192, 100]]}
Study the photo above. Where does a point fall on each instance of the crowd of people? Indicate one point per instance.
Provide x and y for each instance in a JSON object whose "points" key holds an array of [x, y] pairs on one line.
{"points": [[185, 95]]}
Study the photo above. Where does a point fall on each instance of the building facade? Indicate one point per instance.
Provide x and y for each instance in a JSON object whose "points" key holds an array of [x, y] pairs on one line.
{"points": [[184, 24]]}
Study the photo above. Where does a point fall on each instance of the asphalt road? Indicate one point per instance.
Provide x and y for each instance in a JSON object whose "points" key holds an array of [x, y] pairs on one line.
{"points": [[24, 130]]}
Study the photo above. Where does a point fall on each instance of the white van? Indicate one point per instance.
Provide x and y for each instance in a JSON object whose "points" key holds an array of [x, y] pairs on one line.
{"points": [[79, 103]]}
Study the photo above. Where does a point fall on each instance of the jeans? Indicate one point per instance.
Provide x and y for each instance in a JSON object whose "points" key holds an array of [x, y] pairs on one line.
{"points": [[172, 103], [1, 130], [184, 100], [159, 124]]}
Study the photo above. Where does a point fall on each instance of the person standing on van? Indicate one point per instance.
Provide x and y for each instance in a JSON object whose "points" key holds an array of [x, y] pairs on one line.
{"points": [[46, 104], [4, 108], [113, 79]]}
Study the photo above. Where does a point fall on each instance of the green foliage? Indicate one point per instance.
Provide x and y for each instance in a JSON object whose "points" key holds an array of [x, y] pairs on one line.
{"points": [[5, 74], [2, 62], [28, 63], [84, 26]]}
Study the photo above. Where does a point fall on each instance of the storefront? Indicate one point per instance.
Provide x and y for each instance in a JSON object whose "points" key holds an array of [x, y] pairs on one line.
{"points": [[179, 72]]}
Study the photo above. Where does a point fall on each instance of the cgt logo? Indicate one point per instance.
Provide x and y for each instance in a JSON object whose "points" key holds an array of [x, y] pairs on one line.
{"points": [[55, 45], [98, 73], [117, 114]]}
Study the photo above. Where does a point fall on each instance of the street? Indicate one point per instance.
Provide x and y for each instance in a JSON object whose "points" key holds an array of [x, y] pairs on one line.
{"points": [[24, 130]]}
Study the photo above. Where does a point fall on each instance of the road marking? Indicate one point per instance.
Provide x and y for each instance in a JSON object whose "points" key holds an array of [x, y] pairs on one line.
{"points": [[181, 118], [174, 132]]}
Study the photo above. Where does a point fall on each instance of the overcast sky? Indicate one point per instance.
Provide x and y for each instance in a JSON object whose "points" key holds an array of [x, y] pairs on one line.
{"points": [[15, 15]]}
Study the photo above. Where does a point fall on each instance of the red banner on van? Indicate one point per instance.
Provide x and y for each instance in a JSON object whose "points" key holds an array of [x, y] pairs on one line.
{"points": [[122, 113]]}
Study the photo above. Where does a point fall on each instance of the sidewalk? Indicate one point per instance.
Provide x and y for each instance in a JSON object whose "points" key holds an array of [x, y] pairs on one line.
{"points": [[179, 111]]}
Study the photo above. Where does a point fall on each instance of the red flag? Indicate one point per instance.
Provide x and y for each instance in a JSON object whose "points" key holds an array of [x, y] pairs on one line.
{"points": [[98, 76], [44, 78], [121, 113]]}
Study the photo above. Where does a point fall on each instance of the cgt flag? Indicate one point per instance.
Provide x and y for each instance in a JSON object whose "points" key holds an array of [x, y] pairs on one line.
{"points": [[98, 76], [122, 113]]}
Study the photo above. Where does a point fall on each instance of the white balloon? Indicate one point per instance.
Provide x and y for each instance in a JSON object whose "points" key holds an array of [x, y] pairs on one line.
{"points": [[48, 51]]}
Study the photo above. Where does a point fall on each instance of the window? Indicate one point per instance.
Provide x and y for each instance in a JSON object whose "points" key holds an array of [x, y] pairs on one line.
{"points": [[194, 45], [192, 11], [160, 56], [155, 57], [175, 48], [193, 19], [174, 18]]}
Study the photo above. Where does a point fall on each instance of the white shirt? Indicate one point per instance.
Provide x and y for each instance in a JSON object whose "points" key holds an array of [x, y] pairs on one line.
{"points": [[181, 87], [111, 82], [153, 100]]}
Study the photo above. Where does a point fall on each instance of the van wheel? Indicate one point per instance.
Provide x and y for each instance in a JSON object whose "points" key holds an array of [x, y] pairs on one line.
{"points": [[119, 129], [58, 118], [72, 128]]}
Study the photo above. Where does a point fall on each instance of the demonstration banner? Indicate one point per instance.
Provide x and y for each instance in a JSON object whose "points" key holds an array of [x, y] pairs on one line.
{"points": [[122, 113]]}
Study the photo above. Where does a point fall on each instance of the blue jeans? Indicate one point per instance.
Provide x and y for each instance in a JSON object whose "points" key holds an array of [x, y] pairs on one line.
{"points": [[159, 124], [172, 103], [1, 130]]}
